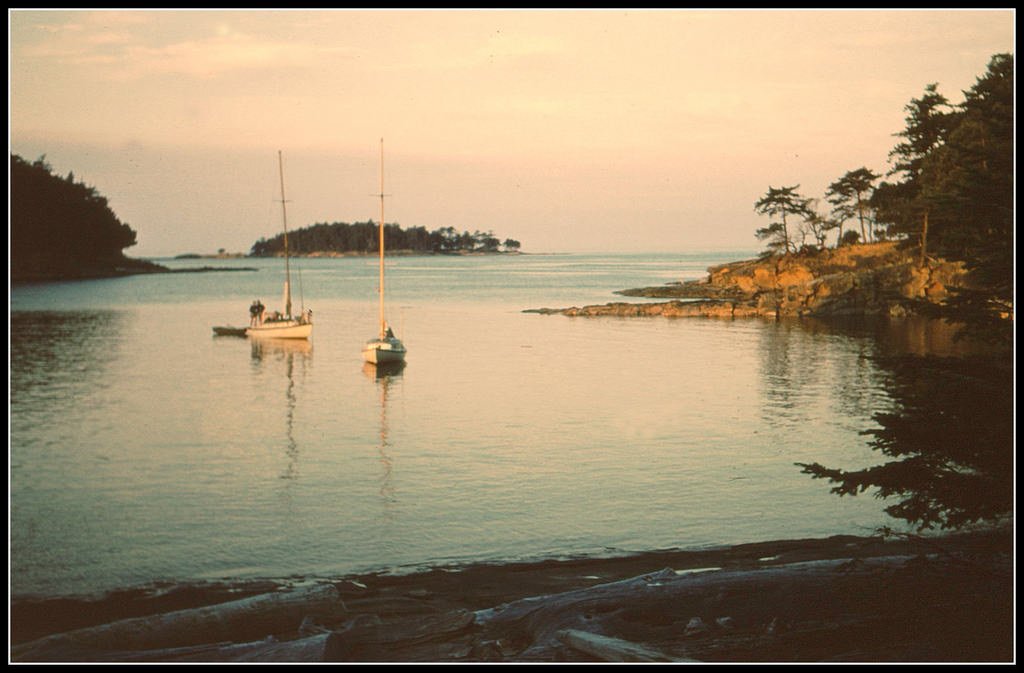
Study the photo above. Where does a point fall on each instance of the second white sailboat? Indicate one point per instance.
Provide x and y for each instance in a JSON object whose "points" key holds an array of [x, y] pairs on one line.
{"points": [[385, 347]]}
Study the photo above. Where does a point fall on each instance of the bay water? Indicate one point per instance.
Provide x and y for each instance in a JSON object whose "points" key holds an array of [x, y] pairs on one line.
{"points": [[145, 449]]}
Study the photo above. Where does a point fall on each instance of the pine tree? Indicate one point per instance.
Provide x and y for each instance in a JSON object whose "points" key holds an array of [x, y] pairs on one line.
{"points": [[781, 201]]}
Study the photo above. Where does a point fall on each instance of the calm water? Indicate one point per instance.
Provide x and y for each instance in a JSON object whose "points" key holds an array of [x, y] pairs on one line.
{"points": [[142, 448]]}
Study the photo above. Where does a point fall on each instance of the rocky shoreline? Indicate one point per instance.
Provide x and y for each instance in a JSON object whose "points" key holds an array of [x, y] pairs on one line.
{"points": [[840, 599], [875, 279]]}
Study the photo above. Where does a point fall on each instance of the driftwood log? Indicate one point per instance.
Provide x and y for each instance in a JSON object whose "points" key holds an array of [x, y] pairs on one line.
{"points": [[368, 638], [268, 650], [668, 608], [613, 649], [252, 617]]}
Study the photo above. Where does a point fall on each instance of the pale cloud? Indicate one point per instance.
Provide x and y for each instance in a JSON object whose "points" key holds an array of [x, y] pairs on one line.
{"points": [[216, 56], [55, 28], [102, 39], [77, 23], [129, 42], [510, 49]]}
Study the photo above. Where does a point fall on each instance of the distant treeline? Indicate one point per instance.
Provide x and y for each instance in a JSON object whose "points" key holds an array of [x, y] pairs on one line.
{"points": [[61, 228], [363, 237]]}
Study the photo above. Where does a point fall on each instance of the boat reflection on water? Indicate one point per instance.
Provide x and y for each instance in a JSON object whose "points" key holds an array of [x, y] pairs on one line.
{"points": [[384, 371], [281, 348], [290, 352], [385, 375]]}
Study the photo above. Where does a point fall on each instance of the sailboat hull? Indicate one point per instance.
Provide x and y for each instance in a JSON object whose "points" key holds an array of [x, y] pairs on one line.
{"points": [[384, 351], [284, 329]]}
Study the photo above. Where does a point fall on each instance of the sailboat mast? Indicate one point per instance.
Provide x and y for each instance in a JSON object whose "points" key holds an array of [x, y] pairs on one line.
{"points": [[380, 281], [287, 268]]}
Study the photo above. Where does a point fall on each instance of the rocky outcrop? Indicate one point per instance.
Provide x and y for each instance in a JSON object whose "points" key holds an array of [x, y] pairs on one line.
{"points": [[871, 279]]}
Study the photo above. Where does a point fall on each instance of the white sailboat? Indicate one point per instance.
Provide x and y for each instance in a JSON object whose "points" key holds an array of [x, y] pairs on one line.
{"points": [[279, 325], [385, 347]]}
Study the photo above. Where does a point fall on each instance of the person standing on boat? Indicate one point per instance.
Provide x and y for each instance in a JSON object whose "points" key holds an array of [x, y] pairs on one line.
{"points": [[256, 313]]}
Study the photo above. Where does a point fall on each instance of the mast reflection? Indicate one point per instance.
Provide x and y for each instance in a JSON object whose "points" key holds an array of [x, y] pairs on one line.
{"points": [[385, 374], [290, 352]]}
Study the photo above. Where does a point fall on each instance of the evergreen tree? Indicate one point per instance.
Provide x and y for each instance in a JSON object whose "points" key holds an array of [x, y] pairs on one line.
{"points": [[817, 224], [781, 201], [905, 207], [969, 180], [849, 197]]}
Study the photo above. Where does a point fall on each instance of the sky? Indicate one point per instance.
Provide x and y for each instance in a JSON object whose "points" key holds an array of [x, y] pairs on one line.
{"points": [[569, 131]]}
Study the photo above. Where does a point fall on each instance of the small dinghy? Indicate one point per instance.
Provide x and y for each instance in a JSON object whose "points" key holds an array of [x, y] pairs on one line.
{"points": [[229, 331]]}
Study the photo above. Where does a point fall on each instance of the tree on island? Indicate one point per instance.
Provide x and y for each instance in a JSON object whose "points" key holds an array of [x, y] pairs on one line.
{"points": [[780, 201], [816, 224], [905, 206], [61, 228], [849, 198], [969, 182]]}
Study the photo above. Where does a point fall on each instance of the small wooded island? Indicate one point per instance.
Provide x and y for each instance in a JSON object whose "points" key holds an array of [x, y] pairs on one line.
{"points": [[341, 239]]}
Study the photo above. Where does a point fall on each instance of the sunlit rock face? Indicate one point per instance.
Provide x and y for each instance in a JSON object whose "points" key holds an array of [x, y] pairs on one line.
{"points": [[871, 279]]}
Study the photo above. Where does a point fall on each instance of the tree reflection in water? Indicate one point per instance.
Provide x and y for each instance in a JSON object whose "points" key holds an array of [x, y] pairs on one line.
{"points": [[57, 357], [950, 438]]}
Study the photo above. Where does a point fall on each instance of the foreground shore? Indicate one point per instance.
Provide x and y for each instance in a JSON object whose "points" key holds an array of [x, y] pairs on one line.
{"points": [[838, 599]]}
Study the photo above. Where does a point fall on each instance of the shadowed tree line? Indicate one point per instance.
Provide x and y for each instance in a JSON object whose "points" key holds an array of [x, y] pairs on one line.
{"points": [[363, 237], [61, 228]]}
